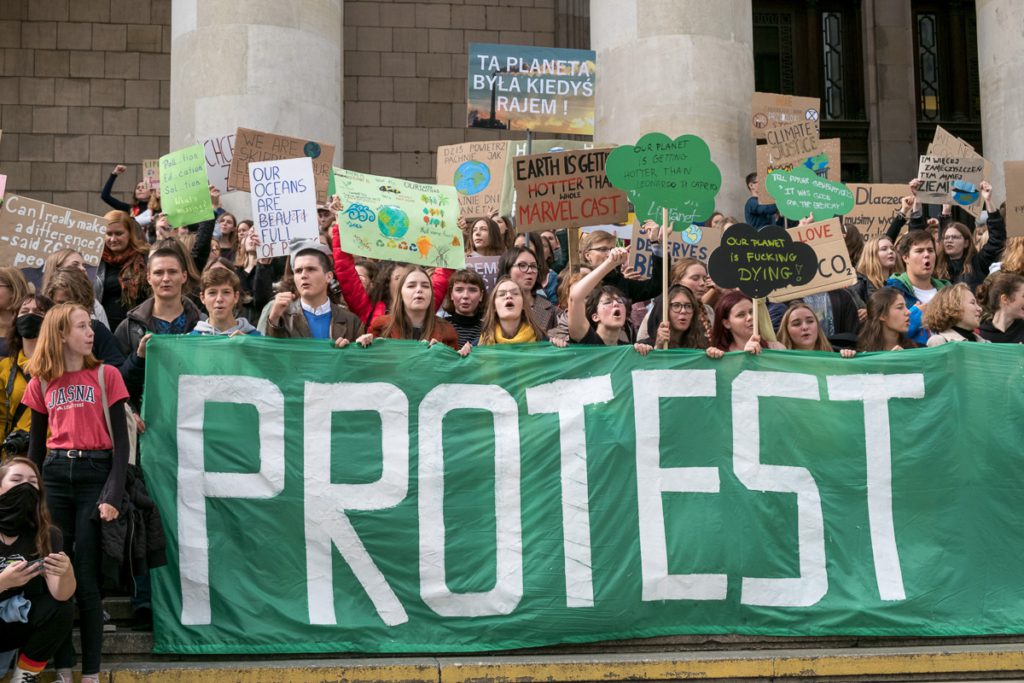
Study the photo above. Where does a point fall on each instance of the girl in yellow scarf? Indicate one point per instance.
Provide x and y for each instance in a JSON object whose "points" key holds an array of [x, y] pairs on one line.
{"points": [[507, 320]]}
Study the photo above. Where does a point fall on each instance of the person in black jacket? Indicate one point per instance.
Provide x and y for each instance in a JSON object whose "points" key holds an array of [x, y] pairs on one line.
{"points": [[1002, 295], [71, 285], [141, 195], [957, 260], [594, 250]]}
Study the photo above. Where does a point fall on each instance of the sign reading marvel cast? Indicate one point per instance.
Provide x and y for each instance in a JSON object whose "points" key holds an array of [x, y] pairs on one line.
{"points": [[566, 189]]}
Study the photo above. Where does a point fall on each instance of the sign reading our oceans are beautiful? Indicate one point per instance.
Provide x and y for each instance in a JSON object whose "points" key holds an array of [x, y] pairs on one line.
{"points": [[661, 173], [477, 170], [184, 188], [950, 180], [31, 230], [874, 206], [399, 498], [834, 268], [758, 262], [802, 192], [219, 152], [694, 242], [541, 89], [565, 190], [399, 220], [255, 145], [283, 195]]}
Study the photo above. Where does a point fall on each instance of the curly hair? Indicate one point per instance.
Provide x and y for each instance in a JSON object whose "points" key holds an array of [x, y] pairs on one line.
{"points": [[946, 309], [696, 336]]}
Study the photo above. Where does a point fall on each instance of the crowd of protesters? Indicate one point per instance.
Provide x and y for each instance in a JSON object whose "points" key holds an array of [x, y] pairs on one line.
{"points": [[74, 350]]}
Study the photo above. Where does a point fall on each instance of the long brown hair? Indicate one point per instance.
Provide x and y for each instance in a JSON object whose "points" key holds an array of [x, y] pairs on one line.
{"points": [[13, 279], [995, 286], [820, 344], [43, 523], [490, 324], [698, 334], [398, 326], [56, 261], [942, 261], [47, 363], [870, 266], [75, 284], [871, 337]]}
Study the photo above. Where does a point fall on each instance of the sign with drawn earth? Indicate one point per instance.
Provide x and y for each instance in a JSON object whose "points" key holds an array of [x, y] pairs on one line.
{"points": [[399, 220], [477, 170]]}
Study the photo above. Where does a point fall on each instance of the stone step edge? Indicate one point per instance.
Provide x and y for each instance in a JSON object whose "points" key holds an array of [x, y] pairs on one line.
{"points": [[939, 661]]}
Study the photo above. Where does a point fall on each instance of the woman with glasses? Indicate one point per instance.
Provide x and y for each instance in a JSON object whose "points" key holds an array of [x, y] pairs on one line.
{"points": [[684, 328], [507, 319], [692, 274], [957, 260], [597, 312], [594, 250], [522, 266]]}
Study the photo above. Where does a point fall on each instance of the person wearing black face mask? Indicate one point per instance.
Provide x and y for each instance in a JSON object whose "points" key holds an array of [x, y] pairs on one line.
{"points": [[36, 578], [13, 378]]}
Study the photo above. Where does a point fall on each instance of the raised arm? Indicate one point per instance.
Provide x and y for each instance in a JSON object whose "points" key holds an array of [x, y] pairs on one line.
{"points": [[578, 323], [109, 187], [356, 297]]}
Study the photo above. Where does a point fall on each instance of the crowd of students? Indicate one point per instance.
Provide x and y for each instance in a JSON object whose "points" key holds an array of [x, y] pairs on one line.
{"points": [[74, 353]]}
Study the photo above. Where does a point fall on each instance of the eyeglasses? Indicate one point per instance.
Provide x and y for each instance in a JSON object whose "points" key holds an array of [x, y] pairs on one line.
{"points": [[505, 293], [603, 250], [610, 302], [527, 267], [679, 307]]}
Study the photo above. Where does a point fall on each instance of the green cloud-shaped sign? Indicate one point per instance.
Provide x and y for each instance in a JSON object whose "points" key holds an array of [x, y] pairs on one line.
{"points": [[659, 172], [802, 192]]}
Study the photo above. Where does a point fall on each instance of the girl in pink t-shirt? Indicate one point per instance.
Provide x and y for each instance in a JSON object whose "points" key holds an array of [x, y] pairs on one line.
{"points": [[85, 461]]}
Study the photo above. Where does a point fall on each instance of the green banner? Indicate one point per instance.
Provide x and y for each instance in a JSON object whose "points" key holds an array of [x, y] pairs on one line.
{"points": [[399, 498]]}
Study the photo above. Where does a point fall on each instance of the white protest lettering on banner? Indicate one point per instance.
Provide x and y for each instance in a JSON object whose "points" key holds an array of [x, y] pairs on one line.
{"points": [[283, 203], [219, 152]]}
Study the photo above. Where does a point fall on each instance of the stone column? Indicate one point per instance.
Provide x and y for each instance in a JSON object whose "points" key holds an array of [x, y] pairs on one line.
{"points": [[1001, 63], [678, 67], [269, 66]]}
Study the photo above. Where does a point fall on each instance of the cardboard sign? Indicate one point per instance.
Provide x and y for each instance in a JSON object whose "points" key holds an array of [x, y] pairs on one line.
{"points": [[565, 189], [254, 145], [759, 262], [3, 188], [834, 269], [1013, 174], [519, 87], [477, 170], [659, 173], [695, 242], [486, 267], [31, 230], [874, 206], [283, 203], [184, 188], [769, 110], [520, 148], [801, 192], [399, 220], [945, 144], [948, 180], [827, 163], [219, 152], [791, 144], [151, 173]]}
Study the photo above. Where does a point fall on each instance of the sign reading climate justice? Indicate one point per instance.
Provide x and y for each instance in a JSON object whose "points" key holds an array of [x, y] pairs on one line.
{"points": [[541, 89], [399, 498]]}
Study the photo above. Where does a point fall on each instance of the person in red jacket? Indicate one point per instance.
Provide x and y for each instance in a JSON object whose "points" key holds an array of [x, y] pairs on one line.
{"points": [[413, 315]]}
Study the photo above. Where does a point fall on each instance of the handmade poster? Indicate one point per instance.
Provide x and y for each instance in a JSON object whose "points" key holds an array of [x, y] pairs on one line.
{"points": [[874, 206], [801, 192], [769, 110], [950, 180], [791, 143], [694, 242], [219, 151], [662, 173], [399, 220], [945, 144], [486, 267], [1013, 175], [283, 196], [254, 145], [184, 188], [541, 89], [31, 230], [477, 170], [834, 269], [520, 148], [151, 173], [759, 262], [827, 164], [565, 189]]}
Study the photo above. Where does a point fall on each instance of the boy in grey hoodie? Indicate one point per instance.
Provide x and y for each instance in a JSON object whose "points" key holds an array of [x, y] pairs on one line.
{"points": [[220, 291]]}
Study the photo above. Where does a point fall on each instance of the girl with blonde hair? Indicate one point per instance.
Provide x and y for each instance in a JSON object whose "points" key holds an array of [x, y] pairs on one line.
{"points": [[952, 316]]}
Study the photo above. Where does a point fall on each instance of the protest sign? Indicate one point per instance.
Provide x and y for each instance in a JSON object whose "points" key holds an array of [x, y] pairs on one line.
{"points": [[827, 164], [184, 188], [759, 262], [521, 87], [948, 180], [662, 173], [565, 189], [399, 220], [521, 148], [477, 170], [219, 152], [769, 110], [1013, 176], [874, 206], [151, 173], [283, 198], [791, 144], [31, 230], [3, 188], [421, 502], [486, 267], [801, 192], [695, 242], [834, 270], [945, 144], [254, 145]]}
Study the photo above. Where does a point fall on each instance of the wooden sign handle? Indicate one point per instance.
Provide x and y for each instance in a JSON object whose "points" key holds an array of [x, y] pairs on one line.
{"points": [[664, 272]]}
